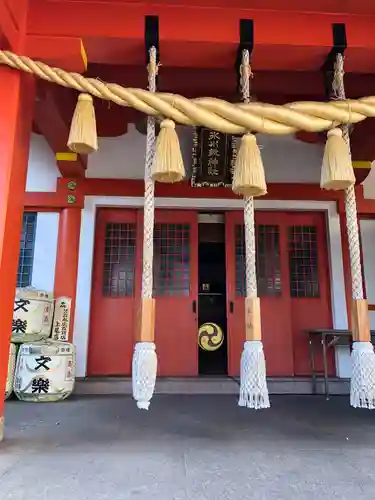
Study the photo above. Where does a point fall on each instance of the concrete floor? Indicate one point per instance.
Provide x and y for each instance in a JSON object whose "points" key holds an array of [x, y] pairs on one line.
{"points": [[188, 448]]}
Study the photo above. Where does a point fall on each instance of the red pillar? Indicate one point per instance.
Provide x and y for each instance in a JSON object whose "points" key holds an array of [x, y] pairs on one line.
{"points": [[67, 257], [17, 94]]}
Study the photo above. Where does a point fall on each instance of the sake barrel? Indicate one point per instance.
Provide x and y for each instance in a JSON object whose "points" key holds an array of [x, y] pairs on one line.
{"points": [[45, 371], [32, 315], [11, 369]]}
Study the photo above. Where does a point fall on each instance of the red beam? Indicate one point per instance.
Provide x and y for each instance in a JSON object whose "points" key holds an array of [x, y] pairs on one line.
{"points": [[327, 6], [50, 123], [42, 200], [13, 15], [62, 52], [133, 187], [193, 36]]}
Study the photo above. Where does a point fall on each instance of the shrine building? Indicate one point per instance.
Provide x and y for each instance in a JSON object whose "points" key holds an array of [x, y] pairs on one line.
{"points": [[81, 216]]}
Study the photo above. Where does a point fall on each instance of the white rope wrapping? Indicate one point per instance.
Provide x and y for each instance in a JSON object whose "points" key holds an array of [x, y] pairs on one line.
{"points": [[253, 388], [350, 200], [362, 381], [144, 367], [149, 198], [250, 248], [253, 384], [362, 384], [144, 373], [250, 262]]}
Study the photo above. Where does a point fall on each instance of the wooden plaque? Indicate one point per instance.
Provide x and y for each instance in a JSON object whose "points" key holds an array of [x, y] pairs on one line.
{"points": [[214, 155]]}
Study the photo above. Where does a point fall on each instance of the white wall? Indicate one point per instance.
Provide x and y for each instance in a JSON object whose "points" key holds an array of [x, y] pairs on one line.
{"points": [[286, 159], [45, 250], [368, 247], [42, 172], [369, 184]]}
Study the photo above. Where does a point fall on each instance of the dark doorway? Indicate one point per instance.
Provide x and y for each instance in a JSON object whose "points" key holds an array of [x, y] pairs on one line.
{"points": [[212, 292]]}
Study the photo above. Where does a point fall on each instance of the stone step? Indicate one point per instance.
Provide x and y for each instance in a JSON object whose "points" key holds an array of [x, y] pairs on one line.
{"points": [[207, 385]]}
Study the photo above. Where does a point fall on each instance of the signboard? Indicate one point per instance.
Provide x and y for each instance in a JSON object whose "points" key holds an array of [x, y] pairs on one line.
{"points": [[214, 156], [61, 320]]}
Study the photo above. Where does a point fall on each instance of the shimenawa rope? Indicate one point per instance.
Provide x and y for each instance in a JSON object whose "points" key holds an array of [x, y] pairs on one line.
{"points": [[212, 113]]}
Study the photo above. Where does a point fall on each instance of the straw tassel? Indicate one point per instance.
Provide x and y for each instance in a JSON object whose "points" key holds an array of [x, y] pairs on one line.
{"points": [[168, 164], [337, 169], [83, 137], [249, 178]]}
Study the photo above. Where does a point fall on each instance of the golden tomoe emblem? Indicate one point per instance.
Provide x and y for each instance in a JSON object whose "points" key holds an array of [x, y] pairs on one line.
{"points": [[210, 337]]}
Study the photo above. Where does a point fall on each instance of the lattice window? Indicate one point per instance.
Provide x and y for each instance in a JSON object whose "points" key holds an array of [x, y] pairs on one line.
{"points": [[119, 259], [171, 259], [303, 261], [26, 259], [267, 260]]}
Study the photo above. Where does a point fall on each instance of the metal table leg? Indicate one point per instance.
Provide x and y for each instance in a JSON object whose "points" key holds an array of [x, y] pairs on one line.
{"points": [[312, 362], [324, 346]]}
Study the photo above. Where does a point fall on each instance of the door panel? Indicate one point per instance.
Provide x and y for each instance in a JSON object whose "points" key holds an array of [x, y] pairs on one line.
{"points": [[114, 285], [293, 286], [309, 285], [273, 290], [175, 289]]}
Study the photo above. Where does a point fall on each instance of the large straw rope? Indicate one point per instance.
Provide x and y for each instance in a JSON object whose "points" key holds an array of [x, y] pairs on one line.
{"points": [[212, 113], [250, 250], [350, 200], [149, 201]]}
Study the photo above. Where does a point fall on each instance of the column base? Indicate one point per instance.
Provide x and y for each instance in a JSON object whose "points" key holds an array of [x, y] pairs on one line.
{"points": [[253, 329], [360, 321], [145, 328], [1, 428]]}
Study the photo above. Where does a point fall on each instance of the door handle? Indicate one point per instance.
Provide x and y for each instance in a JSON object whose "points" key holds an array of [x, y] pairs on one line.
{"points": [[231, 307], [194, 306]]}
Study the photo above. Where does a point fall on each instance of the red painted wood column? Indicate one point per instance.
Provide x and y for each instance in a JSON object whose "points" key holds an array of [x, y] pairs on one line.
{"points": [[67, 257], [17, 93]]}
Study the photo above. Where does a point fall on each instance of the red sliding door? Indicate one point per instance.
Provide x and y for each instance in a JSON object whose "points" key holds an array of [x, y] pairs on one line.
{"points": [[114, 288], [176, 291], [293, 285]]}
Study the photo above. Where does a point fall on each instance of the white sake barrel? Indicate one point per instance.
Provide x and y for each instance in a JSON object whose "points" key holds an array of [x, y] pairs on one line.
{"points": [[32, 315], [11, 369], [45, 371]]}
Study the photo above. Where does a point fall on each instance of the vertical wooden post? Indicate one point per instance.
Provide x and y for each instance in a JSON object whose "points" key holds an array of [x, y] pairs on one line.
{"points": [[67, 258], [17, 94]]}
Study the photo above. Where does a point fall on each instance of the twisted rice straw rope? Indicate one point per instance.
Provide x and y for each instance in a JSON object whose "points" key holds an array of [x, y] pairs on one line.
{"points": [[212, 113]]}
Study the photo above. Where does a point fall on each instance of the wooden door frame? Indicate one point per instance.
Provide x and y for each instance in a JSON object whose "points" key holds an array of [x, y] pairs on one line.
{"points": [[86, 250]]}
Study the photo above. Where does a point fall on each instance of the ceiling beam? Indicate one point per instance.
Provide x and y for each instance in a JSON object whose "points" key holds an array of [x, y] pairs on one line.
{"points": [[13, 15], [194, 36], [50, 123], [67, 53], [197, 82]]}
